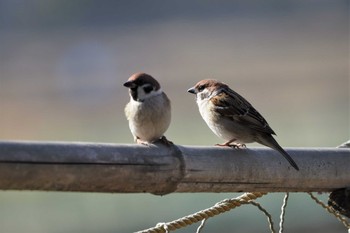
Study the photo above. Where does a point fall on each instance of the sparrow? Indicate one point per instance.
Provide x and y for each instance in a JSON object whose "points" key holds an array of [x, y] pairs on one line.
{"points": [[148, 111], [232, 118]]}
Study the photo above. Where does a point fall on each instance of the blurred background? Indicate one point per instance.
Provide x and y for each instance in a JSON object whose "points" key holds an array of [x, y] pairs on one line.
{"points": [[63, 63]]}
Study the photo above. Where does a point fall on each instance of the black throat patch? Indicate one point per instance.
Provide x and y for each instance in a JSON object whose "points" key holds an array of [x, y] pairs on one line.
{"points": [[133, 92]]}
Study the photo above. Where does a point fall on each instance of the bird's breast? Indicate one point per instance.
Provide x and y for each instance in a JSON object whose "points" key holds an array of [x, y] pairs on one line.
{"points": [[223, 126], [148, 120]]}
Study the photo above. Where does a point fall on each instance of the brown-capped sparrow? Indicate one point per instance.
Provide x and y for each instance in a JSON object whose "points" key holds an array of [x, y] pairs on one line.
{"points": [[148, 111], [233, 118]]}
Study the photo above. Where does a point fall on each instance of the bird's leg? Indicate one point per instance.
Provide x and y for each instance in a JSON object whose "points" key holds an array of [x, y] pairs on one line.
{"points": [[232, 145], [228, 143], [165, 141]]}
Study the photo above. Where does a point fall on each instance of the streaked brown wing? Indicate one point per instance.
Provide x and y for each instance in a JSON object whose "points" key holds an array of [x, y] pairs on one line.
{"points": [[230, 104]]}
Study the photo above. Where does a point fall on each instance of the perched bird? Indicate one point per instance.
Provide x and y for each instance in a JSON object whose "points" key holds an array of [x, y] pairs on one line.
{"points": [[148, 111], [233, 118]]}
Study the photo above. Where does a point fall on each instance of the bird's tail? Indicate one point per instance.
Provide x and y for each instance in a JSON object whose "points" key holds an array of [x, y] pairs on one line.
{"points": [[272, 143]]}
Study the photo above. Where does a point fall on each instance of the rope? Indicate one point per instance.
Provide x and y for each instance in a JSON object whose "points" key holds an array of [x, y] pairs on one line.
{"points": [[218, 208], [283, 212], [199, 229], [163, 225], [330, 210], [269, 217], [229, 204]]}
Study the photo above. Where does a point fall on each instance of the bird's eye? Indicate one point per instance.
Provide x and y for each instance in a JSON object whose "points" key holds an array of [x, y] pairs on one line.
{"points": [[201, 88], [147, 89]]}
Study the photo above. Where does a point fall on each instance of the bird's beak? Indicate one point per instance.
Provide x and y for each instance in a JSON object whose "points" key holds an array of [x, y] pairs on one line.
{"points": [[129, 84], [192, 90]]}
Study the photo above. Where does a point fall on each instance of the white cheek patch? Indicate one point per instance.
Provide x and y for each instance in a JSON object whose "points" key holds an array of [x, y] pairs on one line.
{"points": [[142, 95], [205, 94]]}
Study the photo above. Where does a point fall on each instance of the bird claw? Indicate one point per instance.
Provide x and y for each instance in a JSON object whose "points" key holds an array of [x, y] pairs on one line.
{"points": [[165, 141], [233, 145], [139, 141], [241, 146]]}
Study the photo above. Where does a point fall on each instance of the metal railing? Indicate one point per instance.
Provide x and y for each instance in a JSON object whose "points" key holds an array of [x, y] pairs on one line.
{"points": [[158, 169]]}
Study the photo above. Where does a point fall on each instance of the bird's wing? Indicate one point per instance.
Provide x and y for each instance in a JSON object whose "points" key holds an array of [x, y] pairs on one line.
{"points": [[230, 104]]}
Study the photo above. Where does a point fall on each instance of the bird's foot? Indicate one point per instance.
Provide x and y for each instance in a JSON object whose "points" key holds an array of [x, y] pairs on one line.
{"points": [[165, 141], [233, 145], [240, 146], [139, 141]]}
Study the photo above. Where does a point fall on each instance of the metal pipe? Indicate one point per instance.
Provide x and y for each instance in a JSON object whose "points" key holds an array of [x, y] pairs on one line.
{"points": [[158, 169]]}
